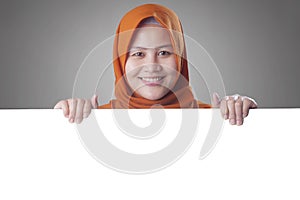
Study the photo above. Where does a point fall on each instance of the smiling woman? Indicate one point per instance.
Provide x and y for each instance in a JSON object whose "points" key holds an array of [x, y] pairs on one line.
{"points": [[151, 69], [150, 61]]}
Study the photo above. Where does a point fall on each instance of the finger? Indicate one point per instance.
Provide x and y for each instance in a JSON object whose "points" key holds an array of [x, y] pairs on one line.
{"points": [[216, 100], [87, 108], [64, 106], [58, 105], [224, 109], [94, 101], [247, 104], [79, 111], [231, 110], [239, 112], [72, 109], [253, 102]]}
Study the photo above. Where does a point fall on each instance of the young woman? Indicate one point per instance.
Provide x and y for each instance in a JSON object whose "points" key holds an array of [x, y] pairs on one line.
{"points": [[151, 69]]}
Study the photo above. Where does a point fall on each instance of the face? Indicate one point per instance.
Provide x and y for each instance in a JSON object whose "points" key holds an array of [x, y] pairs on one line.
{"points": [[151, 69]]}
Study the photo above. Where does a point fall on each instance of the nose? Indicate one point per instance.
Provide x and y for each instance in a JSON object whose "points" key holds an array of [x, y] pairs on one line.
{"points": [[152, 64]]}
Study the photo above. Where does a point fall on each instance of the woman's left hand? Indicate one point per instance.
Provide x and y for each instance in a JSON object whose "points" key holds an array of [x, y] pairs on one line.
{"points": [[235, 107]]}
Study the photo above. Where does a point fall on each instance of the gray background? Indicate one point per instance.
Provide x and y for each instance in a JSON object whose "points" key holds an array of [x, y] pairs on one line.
{"points": [[254, 43]]}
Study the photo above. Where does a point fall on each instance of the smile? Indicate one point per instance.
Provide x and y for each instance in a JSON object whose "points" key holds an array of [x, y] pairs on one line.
{"points": [[152, 81]]}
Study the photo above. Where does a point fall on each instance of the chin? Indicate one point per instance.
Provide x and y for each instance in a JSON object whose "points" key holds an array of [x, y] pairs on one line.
{"points": [[153, 95]]}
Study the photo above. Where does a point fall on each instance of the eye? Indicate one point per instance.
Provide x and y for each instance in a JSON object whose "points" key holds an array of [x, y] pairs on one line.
{"points": [[164, 53], [138, 54]]}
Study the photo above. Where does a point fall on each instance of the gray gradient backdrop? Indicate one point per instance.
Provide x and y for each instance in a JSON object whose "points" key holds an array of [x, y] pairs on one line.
{"points": [[254, 43]]}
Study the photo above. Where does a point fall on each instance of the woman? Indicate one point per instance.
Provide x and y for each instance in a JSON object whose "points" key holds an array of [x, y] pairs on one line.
{"points": [[151, 69]]}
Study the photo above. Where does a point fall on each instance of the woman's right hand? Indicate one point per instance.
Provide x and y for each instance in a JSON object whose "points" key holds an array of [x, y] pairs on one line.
{"points": [[77, 109]]}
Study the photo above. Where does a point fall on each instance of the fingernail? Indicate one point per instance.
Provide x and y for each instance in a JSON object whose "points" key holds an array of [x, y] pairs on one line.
{"points": [[78, 121], [239, 122], [71, 120], [232, 121], [225, 116]]}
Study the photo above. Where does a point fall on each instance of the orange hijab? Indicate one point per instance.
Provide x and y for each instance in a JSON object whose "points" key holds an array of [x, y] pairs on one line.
{"points": [[181, 95]]}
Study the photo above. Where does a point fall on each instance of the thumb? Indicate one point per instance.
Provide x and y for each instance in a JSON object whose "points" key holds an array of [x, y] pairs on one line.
{"points": [[94, 101], [216, 100], [57, 106]]}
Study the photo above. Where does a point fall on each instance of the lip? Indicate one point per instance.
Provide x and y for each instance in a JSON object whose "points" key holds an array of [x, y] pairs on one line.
{"points": [[152, 80]]}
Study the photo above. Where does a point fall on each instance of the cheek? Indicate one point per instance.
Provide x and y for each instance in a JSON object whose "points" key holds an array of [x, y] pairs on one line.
{"points": [[173, 74], [131, 74], [131, 67], [174, 63], [172, 68], [128, 67], [170, 63]]}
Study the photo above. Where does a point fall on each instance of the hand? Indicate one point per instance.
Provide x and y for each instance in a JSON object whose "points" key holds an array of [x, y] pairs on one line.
{"points": [[235, 108], [77, 109]]}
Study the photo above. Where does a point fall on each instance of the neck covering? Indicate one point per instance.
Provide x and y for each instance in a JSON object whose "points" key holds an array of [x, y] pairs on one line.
{"points": [[181, 95]]}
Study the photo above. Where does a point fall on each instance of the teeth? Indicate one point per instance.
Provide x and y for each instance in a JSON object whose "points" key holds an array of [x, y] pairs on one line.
{"points": [[154, 79]]}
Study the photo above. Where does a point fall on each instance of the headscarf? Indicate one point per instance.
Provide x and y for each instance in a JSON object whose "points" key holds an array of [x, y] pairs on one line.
{"points": [[181, 95]]}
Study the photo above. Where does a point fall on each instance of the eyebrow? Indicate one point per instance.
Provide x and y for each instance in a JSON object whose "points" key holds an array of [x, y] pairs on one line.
{"points": [[159, 47]]}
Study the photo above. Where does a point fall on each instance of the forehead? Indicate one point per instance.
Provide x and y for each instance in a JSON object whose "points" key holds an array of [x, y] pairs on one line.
{"points": [[150, 36]]}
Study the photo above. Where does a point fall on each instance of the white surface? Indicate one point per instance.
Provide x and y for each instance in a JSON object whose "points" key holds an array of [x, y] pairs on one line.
{"points": [[42, 158]]}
